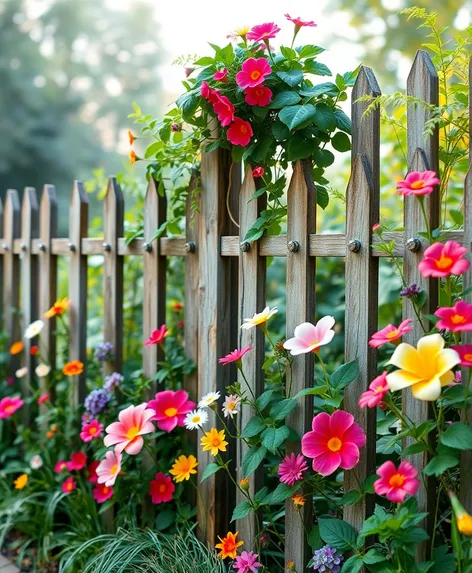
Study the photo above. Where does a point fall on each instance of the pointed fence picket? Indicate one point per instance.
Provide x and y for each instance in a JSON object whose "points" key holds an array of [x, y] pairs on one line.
{"points": [[225, 282]]}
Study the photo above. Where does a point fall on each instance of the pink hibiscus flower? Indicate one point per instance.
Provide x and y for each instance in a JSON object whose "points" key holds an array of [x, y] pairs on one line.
{"points": [[457, 318], [108, 469], [253, 72], [417, 183], [309, 338], [378, 388], [102, 492], [221, 75], [239, 132], [78, 461], [395, 483], [334, 442], [157, 336], [127, 434], [234, 356], [465, 353], [390, 333], [444, 260], [170, 408], [224, 109], [263, 32], [260, 96], [8, 406], [90, 431], [161, 488], [291, 469]]}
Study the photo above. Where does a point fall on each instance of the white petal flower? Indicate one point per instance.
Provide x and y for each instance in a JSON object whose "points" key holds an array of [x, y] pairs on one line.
{"points": [[231, 405], [42, 370], [208, 399], [259, 318], [36, 462], [21, 372], [34, 329], [195, 419]]}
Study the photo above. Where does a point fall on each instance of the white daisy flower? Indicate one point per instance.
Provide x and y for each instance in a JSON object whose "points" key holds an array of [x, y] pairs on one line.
{"points": [[259, 318], [231, 405], [42, 370], [36, 462], [196, 419], [208, 399], [34, 329], [21, 372]]}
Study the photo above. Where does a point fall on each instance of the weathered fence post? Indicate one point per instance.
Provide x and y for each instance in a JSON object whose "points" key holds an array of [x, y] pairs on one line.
{"points": [[78, 229], [113, 217], [301, 222], [252, 287], [362, 212], [422, 155]]}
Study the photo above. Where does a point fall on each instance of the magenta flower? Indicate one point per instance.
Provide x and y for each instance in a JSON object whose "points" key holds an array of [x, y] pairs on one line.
{"points": [[263, 32], [457, 318], [234, 356], [309, 338], [127, 434], [224, 109], [291, 469], [90, 431], [221, 75], [77, 462], [108, 469], [334, 442], [260, 96], [258, 172], [102, 492], [8, 406], [157, 336], [246, 563], [417, 183], [299, 23], [378, 388], [161, 488], [465, 353], [170, 409], [253, 72], [395, 483], [390, 333], [239, 132], [442, 260]]}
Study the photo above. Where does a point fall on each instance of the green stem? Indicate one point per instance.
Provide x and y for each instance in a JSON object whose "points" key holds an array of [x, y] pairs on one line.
{"points": [[426, 220]]}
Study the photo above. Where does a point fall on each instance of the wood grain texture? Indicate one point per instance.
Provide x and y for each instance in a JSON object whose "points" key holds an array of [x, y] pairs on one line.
{"points": [[11, 274], [29, 284], [78, 228], [301, 221], [154, 279], [113, 217], [422, 155], [252, 293]]}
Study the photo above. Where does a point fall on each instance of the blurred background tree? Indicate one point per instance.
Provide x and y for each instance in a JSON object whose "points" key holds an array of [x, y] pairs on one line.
{"points": [[69, 72]]}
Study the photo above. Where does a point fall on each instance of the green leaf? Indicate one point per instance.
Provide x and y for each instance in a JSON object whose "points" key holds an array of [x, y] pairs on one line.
{"points": [[337, 533], [373, 556], [272, 438], [205, 61], [281, 410], [252, 460], [322, 197], [444, 562], [292, 78], [345, 374], [309, 51], [153, 149], [316, 68], [341, 141], [299, 148], [237, 153], [324, 118], [188, 104], [353, 564], [457, 436], [280, 494], [283, 99], [296, 115], [457, 217], [351, 497], [253, 427], [342, 121], [210, 470], [311, 391], [314, 539], [323, 158], [280, 131], [288, 53], [165, 519], [413, 449], [264, 399], [326, 88], [241, 510], [439, 464]]}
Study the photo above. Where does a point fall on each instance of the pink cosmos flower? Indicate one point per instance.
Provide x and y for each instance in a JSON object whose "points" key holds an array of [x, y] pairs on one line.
{"points": [[102, 492], [309, 338], [157, 336], [334, 442], [90, 431], [299, 23], [239, 132], [417, 183], [246, 562], [258, 172], [390, 333], [465, 353], [161, 488], [69, 485], [170, 408], [43, 398], [221, 75], [253, 72], [234, 356], [8, 406], [108, 469], [291, 469], [396, 483], [443, 260], [457, 318], [263, 32], [224, 109], [378, 388], [60, 466], [92, 472], [127, 434], [78, 461], [260, 95]]}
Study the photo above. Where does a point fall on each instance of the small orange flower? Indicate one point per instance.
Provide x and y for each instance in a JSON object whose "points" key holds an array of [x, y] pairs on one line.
{"points": [[21, 481], [16, 347], [132, 157], [50, 435], [298, 499], [244, 484], [58, 308], [73, 368], [229, 545], [176, 305], [54, 428], [131, 137]]}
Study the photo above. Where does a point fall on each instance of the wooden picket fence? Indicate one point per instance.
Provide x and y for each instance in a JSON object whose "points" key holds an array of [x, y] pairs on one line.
{"points": [[225, 281]]}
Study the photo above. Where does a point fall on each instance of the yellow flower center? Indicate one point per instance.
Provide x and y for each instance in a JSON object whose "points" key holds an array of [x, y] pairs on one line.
{"points": [[114, 468], [255, 75], [196, 419], [106, 489], [392, 334], [9, 409], [458, 319], [92, 430], [335, 444], [216, 442], [444, 262], [162, 488], [243, 129], [468, 357], [231, 406], [397, 480], [69, 486], [132, 432], [379, 389], [417, 184], [170, 412]]}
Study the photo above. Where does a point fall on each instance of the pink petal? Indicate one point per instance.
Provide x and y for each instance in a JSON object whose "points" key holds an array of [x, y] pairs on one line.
{"points": [[327, 463], [411, 485], [112, 439], [313, 444], [116, 428], [306, 333], [356, 435], [387, 470], [396, 495], [168, 424], [135, 446], [321, 425], [349, 455], [340, 422], [324, 324]]}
